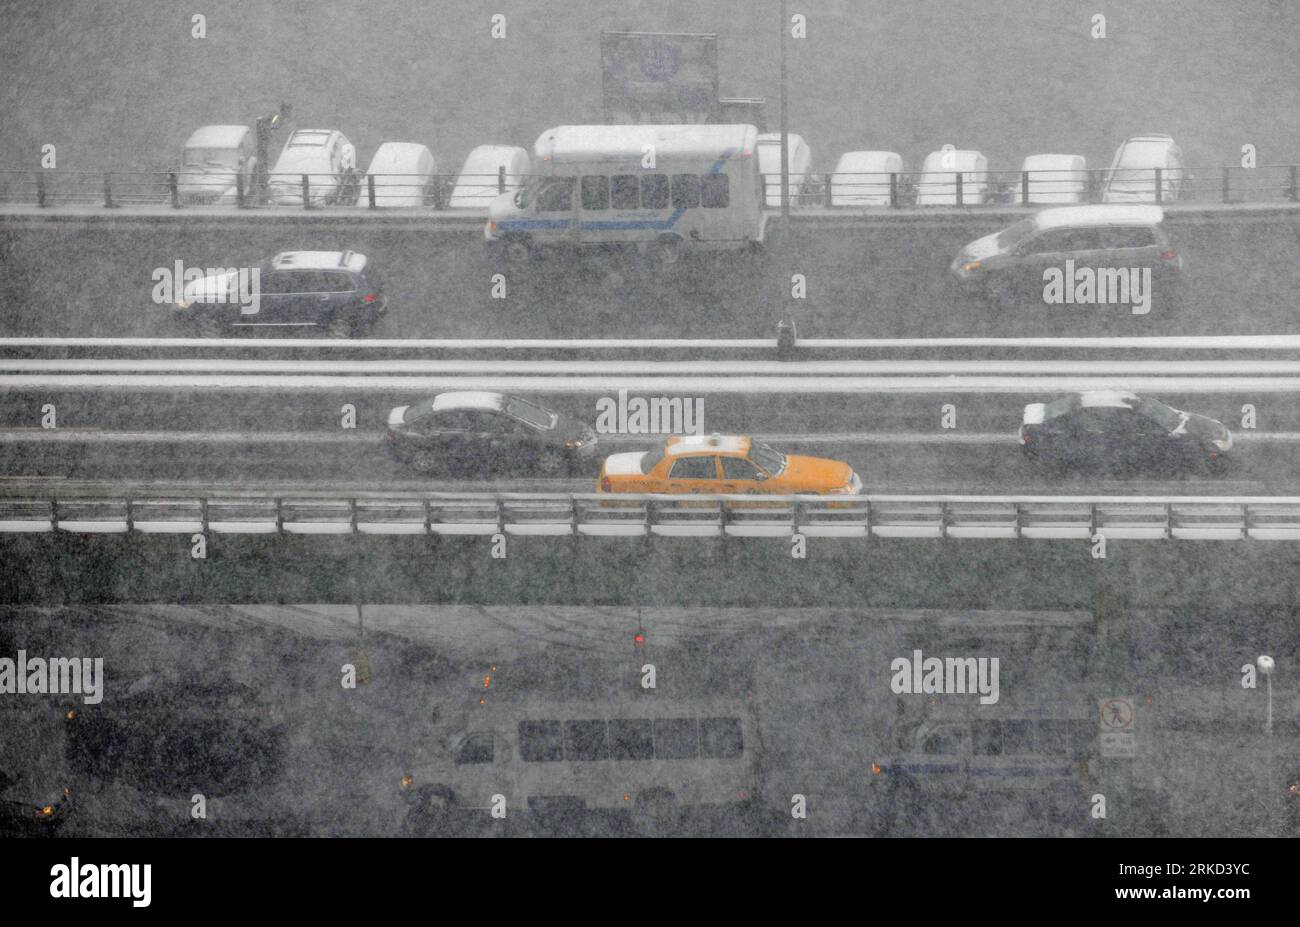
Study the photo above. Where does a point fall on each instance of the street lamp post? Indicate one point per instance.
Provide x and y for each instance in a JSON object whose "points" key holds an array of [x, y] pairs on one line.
{"points": [[1265, 664], [785, 140]]}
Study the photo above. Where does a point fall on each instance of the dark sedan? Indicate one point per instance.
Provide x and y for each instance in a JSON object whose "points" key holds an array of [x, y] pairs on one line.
{"points": [[215, 739], [1120, 431], [477, 432]]}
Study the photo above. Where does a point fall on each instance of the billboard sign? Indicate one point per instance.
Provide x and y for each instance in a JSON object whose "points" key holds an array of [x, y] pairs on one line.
{"points": [[650, 77]]}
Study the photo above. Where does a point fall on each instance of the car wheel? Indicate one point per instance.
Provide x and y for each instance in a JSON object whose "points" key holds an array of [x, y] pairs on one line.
{"points": [[518, 250], [425, 461], [339, 327], [657, 811], [552, 461], [998, 291], [208, 326], [667, 250]]}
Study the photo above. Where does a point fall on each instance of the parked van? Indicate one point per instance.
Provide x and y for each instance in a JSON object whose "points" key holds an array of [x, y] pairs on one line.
{"points": [[597, 186], [1132, 175], [405, 174], [862, 178], [937, 185], [769, 165], [1053, 178], [478, 182], [636, 754], [214, 160], [326, 157]]}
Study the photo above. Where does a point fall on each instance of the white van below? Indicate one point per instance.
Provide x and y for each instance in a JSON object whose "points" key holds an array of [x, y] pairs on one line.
{"points": [[862, 178], [769, 165], [937, 185], [1054, 178], [1132, 175], [478, 183], [404, 175]]}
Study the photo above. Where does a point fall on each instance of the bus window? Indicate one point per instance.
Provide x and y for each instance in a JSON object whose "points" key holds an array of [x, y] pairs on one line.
{"points": [[1052, 738], [945, 740], [632, 739], [585, 740], [986, 738], [654, 191], [715, 191], [720, 738], [540, 741], [625, 191], [686, 191], [477, 748], [557, 196], [595, 193], [1017, 737], [676, 739]]}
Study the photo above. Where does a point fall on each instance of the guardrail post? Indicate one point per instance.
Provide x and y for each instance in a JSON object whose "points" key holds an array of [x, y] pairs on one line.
{"points": [[1225, 184], [370, 189], [306, 192], [893, 189], [108, 191], [1024, 188], [1294, 192], [1160, 185], [174, 190], [959, 188], [830, 199], [1094, 186], [501, 178], [40, 189], [787, 338], [240, 192]]}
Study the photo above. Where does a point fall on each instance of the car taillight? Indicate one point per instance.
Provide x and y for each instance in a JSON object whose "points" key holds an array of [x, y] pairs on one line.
{"points": [[605, 484], [370, 297], [1170, 255], [392, 437]]}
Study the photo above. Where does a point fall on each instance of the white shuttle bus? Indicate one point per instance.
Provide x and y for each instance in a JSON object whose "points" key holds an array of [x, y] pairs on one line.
{"points": [[661, 189], [641, 754]]}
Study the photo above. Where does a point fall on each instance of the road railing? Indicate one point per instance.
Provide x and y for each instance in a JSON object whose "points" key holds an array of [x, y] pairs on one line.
{"points": [[188, 510], [908, 189], [472, 193], [469, 193]]}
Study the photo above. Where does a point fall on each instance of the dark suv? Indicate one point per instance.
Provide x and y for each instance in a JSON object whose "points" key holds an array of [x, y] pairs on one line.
{"points": [[295, 290]]}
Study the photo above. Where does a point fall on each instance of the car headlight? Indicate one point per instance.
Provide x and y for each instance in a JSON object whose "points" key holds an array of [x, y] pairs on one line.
{"points": [[574, 443], [852, 487], [1224, 443], [183, 304], [969, 266]]}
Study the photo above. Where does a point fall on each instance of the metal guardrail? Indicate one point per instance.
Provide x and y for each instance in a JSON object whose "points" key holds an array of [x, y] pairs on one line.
{"points": [[180, 188], [1263, 183], [322, 512]]}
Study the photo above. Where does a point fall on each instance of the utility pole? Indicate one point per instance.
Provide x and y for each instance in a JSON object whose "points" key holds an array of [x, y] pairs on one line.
{"points": [[785, 129]]}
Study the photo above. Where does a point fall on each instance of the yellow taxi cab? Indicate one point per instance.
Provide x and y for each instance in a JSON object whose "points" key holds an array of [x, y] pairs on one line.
{"points": [[724, 464]]}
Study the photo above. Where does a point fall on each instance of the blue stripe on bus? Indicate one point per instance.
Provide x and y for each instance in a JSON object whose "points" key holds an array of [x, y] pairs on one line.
{"points": [[610, 225]]}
